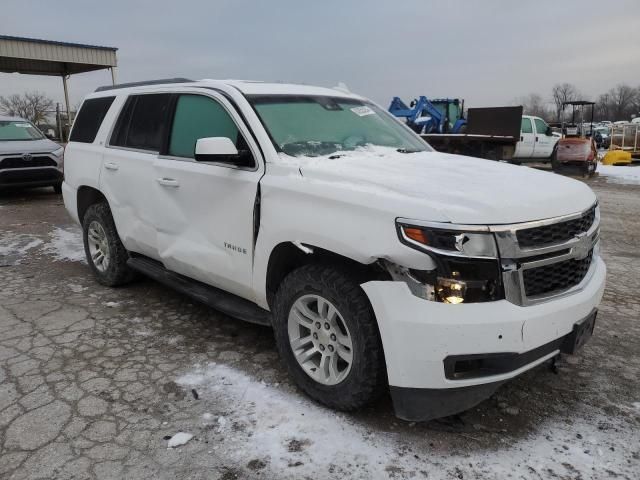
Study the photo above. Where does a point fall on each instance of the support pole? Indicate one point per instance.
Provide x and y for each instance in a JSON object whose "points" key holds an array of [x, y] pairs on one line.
{"points": [[113, 75], [59, 122], [66, 101]]}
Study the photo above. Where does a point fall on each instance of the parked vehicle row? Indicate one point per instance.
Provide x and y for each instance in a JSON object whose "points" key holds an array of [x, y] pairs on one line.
{"points": [[379, 262]]}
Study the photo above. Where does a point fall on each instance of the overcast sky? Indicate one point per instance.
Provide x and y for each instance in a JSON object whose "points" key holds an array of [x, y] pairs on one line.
{"points": [[488, 52]]}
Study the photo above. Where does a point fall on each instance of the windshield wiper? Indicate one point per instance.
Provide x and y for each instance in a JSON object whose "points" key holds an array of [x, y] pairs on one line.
{"points": [[406, 150], [336, 156]]}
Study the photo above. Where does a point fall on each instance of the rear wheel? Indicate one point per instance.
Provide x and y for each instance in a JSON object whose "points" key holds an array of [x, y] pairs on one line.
{"points": [[556, 166], [590, 169], [327, 335], [105, 253]]}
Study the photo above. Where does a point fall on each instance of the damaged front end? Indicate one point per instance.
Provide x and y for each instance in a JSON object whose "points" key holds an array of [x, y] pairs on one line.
{"points": [[466, 266], [483, 308]]}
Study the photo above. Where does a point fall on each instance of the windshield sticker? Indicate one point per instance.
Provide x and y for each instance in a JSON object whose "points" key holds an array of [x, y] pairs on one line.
{"points": [[23, 125], [363, 111]]}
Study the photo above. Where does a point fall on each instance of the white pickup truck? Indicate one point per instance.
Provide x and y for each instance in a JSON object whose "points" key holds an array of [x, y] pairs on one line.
{"points": [[537, 141], [379, 263]]}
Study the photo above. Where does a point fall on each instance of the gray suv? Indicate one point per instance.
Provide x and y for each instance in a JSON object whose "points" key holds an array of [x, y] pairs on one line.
{"points": [[27, 157]]}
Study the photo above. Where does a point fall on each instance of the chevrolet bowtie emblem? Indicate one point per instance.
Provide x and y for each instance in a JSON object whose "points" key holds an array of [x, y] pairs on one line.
{"points": [[583, 247]]}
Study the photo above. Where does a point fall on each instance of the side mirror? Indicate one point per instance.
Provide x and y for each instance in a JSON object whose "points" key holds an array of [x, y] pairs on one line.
{"points": [[549, 132], [221, 150]]}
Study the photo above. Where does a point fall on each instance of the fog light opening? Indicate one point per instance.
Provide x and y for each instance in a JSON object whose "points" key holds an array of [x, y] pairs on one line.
{"points": [[450, 290]]}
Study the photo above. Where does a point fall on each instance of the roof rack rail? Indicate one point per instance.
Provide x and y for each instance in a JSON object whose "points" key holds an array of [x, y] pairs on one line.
{"points": [[140, 84]]}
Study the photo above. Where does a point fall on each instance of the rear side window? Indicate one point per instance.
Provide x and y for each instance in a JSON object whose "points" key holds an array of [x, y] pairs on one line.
{"points": [[526, 125], [89, 119], [142, 122], [197, 117]]}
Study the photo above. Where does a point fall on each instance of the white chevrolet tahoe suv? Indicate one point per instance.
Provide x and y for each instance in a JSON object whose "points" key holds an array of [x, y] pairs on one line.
{"points": [[379, 262]]}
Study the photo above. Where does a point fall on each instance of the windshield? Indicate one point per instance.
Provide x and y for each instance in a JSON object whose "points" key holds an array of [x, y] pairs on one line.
{"points": [[18, 130], [316, 126]]}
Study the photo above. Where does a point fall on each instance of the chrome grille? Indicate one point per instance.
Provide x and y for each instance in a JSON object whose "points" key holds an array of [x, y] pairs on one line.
{"points": [[556, 277], [556, 232], [545, 259]]}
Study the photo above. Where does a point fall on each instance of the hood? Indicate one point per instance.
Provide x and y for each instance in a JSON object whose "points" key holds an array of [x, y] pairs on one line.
{"points": [[28, 146], [465, 190]]}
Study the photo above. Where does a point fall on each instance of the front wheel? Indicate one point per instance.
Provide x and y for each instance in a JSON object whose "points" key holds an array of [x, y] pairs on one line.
{"points": [[328, 337], [57, 188], [105, 253]]}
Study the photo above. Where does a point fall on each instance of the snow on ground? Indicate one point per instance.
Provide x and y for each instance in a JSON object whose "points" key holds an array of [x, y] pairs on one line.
{"points": [[75, 288], [179, 439], [287, 430], [63, 245], [13, 247], [66, 245], [625, 175]]}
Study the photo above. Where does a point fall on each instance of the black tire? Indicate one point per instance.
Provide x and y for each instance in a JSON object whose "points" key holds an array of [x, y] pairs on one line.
{"points": [[556, 166], [367, 378], [57, 188], [589, 169], [117, 272]]}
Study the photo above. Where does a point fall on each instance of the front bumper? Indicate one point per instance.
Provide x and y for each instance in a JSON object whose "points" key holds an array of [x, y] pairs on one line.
{"points": [[419, 335]]}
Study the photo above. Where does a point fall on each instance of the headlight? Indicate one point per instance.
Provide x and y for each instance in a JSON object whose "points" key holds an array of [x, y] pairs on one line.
{"points": [[467, 270], [58, 152], [449, 242]]}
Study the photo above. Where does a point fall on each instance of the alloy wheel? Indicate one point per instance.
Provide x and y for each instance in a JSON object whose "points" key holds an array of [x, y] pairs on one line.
{"points": [[320, 340], [98, 246]]}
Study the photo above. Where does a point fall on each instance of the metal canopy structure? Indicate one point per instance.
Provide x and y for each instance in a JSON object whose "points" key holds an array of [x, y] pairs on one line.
{"points": [[45, 57]]}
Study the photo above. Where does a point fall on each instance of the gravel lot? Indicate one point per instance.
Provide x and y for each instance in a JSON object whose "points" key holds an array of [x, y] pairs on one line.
{"points": [[94, 382]]}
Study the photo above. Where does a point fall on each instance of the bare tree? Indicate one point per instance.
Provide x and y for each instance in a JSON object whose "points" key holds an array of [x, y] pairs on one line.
{"points": [[619, 103], [635, 104], [533, 104], [563, 92], [603, 107], [32, 105], [622, 101]]}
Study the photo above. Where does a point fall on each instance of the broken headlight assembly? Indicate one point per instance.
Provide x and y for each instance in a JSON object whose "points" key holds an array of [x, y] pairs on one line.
{"points": [[467, 264]]}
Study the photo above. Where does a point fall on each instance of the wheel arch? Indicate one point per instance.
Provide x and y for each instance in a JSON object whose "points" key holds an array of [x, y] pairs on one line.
{"points": [[86, 197], [288, 256]]}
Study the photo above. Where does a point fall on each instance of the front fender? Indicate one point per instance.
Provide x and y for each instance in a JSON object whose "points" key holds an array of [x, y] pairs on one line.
{"points": [[337, 221]]}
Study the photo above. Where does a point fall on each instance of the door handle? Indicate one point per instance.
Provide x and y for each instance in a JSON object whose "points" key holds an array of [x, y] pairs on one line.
{"points": [[536, 139], [111, 166], [168, 182], [522, 138]]}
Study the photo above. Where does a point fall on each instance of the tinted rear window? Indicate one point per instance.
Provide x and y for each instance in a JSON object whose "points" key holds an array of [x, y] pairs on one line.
{"points": [[142, 122], [89, 119]]}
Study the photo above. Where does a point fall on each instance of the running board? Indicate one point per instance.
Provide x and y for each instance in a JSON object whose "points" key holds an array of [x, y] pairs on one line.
{"points": [[220, 300]]}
